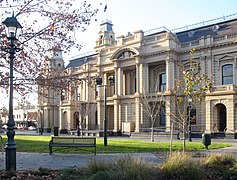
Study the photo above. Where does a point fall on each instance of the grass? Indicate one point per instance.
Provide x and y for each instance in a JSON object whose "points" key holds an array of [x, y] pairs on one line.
{"points": [[115, 145]]}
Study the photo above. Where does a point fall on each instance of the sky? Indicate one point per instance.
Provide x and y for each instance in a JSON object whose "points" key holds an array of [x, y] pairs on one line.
{"points": [[132, 15]]}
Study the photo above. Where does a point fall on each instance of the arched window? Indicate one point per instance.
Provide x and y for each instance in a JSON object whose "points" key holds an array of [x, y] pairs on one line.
{"points": [[227, 74]]}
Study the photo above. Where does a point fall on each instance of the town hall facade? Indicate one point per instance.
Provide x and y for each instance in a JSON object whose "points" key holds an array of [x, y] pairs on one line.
{"points": [[142, 63]]}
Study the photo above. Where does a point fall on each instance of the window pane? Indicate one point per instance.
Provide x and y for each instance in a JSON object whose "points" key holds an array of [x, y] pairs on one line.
{"points": [[227, 80], [227, 74], [162, 83], [227, 70], [162, 116], [163, 78]]}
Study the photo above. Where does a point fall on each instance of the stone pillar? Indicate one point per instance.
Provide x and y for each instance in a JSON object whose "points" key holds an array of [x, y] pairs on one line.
{"points": [[116, 81], [60, 119], [116, 117], [230, 111], [170, 73], [120, 82], [144, 82], [209, 117], [138, 114], [137, 76]]}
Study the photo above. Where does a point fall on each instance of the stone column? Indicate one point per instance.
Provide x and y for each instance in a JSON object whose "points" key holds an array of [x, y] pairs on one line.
{"points": [[137, 76], [144, 82], [120, 82], [230, 111], [116, 81], [116, 117], [170, 73], [138, 114], [209, 117]]}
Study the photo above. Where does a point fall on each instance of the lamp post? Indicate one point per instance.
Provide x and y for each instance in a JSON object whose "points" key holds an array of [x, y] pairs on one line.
{"points": [[12, 26], [99, 83]]}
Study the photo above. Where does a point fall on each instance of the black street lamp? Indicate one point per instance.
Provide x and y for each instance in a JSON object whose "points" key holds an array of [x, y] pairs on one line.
{"points": [[12, 26], [99, 83]]}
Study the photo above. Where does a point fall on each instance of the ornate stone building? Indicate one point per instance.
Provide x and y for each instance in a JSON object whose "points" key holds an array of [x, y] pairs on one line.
{"points": [[141, 63]]}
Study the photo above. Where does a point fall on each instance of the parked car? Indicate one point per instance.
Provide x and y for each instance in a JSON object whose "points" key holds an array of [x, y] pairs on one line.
{"points": [[32, 128]]}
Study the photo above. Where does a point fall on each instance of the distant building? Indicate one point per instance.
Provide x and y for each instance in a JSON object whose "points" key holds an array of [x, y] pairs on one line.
{"points": [[141, 62], [25, 116]]}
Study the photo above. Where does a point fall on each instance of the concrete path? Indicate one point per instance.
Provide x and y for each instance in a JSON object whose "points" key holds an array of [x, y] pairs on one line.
{"points": [[62, 161]]}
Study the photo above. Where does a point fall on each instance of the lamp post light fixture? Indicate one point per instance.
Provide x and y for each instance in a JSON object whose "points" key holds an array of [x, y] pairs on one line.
{"points": [[99, 83], [12, 26]]}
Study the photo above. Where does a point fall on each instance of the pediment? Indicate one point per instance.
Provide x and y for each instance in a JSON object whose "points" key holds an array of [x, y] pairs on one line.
{"points": [[226, 57], [125, 53]]}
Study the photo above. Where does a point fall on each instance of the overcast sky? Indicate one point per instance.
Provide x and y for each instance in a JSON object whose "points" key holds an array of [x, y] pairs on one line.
{"points": [[132, 15]]}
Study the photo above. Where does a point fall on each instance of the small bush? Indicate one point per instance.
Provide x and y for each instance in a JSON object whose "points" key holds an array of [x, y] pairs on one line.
{"points": [[123, 168], [220, 160], [130, 167], [220, 165], [182, 166], [95, 165]]}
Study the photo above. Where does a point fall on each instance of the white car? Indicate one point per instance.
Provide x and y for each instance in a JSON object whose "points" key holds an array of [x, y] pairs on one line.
{"points": [[32, 128]]}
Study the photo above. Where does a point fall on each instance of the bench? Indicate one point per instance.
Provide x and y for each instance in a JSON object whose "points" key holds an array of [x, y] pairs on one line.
{"points": [[83, 142]]}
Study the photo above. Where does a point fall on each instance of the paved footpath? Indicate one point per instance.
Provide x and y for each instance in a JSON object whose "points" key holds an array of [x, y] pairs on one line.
{"points": [[63, 161]]}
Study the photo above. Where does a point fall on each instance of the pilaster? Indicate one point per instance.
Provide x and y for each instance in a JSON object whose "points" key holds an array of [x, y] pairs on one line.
{"points": [[230, 124], [169, 74], [209, 117], [138, 76], [137, 114]]}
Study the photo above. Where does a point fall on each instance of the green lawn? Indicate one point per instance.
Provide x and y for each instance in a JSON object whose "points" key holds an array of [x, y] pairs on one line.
{"points": [[115, 145]]}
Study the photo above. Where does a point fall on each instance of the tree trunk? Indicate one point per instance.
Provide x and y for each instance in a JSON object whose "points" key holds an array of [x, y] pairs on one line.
{"points": [[152, 132], [184, 138], [171, 138]]}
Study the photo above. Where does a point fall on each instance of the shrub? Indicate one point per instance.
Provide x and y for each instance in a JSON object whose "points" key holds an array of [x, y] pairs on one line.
{"points": [[130, 167], [182, 166], [220, 165], [220, 161], [125, 167], [95, 165]]}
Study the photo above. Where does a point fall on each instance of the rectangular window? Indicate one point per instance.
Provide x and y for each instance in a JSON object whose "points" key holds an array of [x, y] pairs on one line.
{"points": [[162, 116], [227, 74], [162, 82]]}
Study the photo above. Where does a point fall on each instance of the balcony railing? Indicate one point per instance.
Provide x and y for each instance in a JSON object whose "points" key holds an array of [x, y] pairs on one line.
{"points": [[224, 88]]}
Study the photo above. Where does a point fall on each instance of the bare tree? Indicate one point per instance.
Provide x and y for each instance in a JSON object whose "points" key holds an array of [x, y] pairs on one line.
{"points": [[189, 91], [152, 104], [46, 24]]}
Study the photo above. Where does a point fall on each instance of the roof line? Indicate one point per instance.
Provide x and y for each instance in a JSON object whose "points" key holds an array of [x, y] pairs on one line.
{"points": [[195, 25]]}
